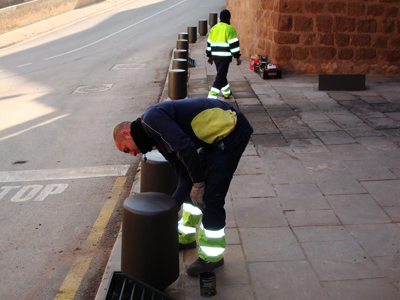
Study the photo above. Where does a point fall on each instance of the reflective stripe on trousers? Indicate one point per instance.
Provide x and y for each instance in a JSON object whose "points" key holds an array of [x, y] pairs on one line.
{"points": [[191, 216], [212, 243], [226, 90], [213, 94]]}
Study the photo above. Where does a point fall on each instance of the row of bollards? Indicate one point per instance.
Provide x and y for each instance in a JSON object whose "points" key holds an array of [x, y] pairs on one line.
{"points": [[179, 74]]}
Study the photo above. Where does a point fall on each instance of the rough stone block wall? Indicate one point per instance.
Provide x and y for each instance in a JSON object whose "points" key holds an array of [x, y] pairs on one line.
{"points": [[6, 3], [317, 36], [17, 16]]}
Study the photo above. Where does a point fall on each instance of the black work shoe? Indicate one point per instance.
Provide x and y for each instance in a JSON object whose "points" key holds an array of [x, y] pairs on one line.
{"points": [[201, 265], [191, 245]]}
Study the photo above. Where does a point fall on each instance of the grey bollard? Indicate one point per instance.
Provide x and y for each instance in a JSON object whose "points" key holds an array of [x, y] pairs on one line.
{"points": [[177, 88], [156, 175], [203, 27], [182, 44], [192, 30], [180, 63], [180, 53], [150, 250], [213, 19], [183, 36]]}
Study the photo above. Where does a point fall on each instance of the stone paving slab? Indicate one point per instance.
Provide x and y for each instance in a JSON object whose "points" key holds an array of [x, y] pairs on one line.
{"points": [[286, 280], [357, 209], [322, 233], [270, 244], [341, 260], [300, 197], [370, 289]]}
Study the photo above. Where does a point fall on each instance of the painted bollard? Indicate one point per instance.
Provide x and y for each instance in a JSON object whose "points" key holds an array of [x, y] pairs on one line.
{"points": [[156, 174], [183, 36], [180, 53], [182, 44], [177, 88], [203, 27], [213, 19], [192, 30], [149, 248], [180, 63]]}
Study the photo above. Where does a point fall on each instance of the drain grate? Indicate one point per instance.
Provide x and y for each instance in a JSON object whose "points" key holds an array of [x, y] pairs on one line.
{"points": [[124, 286], [93, 89], [128, 66]]}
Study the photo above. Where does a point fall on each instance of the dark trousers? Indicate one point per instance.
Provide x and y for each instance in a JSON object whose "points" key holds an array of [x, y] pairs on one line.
{"points": [[220, 162], [222, 66]]}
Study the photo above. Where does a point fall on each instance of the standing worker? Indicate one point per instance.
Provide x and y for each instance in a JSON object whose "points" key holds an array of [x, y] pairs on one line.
{"points": [[222, 44], [178, 129]]}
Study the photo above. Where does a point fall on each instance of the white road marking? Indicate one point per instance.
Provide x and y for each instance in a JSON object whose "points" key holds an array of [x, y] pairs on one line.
{"points": [[64, 174], [24, 65], [38, 125], [119, 31]]}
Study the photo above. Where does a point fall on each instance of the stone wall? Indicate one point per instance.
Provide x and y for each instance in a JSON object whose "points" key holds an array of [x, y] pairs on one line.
{"points": [[6, 3], [17, 16], [321, 36]]}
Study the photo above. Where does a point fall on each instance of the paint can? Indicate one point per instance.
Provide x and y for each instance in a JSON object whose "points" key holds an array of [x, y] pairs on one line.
{"points": [[208, 284]]}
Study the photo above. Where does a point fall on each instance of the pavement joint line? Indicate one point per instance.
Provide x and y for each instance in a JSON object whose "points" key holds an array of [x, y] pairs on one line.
{"points": [[81, 264]]}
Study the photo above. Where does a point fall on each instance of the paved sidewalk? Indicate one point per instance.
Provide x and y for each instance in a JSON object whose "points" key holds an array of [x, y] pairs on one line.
{"points": [[313, 211]]}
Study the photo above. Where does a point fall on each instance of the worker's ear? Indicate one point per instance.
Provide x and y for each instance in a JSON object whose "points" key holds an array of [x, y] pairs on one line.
{"points": [[126, 133]]}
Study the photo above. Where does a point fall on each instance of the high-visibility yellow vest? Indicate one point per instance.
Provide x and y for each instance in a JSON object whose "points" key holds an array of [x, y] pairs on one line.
{"points": [[223, 42]]}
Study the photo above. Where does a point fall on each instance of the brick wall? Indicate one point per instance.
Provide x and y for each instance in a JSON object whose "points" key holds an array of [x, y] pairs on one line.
{"points": [[321, 36]]}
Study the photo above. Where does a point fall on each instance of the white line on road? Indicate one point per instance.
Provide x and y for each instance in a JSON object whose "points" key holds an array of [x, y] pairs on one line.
{"points": [[62, 174], [108, 36], [38, 125], [24, 65]]}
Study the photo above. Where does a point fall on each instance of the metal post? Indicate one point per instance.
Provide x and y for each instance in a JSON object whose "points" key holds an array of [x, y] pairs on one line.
{"points": [[180, 53], [213, 19], [180, 63], [150, 250], [183, 36], [182, 44], [177, 88], [203, 27], [156, 175], [192, 30]]}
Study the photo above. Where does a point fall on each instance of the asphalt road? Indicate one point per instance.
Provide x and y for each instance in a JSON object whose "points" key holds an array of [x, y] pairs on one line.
{"points": [[62, 181]]}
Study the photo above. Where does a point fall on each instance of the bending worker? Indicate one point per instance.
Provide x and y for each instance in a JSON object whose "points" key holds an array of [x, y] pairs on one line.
{"points": [[178, 129], [222, 44]]}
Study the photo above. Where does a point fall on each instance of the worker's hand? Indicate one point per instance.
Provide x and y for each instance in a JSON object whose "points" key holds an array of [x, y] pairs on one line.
{"points": [[210, 61], [239, 61], [197, 194]]}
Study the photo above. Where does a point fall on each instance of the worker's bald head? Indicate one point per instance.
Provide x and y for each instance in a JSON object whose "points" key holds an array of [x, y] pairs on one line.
{"points": [[119, 131]]}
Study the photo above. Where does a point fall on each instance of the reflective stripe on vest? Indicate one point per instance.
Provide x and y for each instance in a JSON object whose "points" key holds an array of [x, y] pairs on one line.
{"points": [[231, 41], [218, 53]]}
